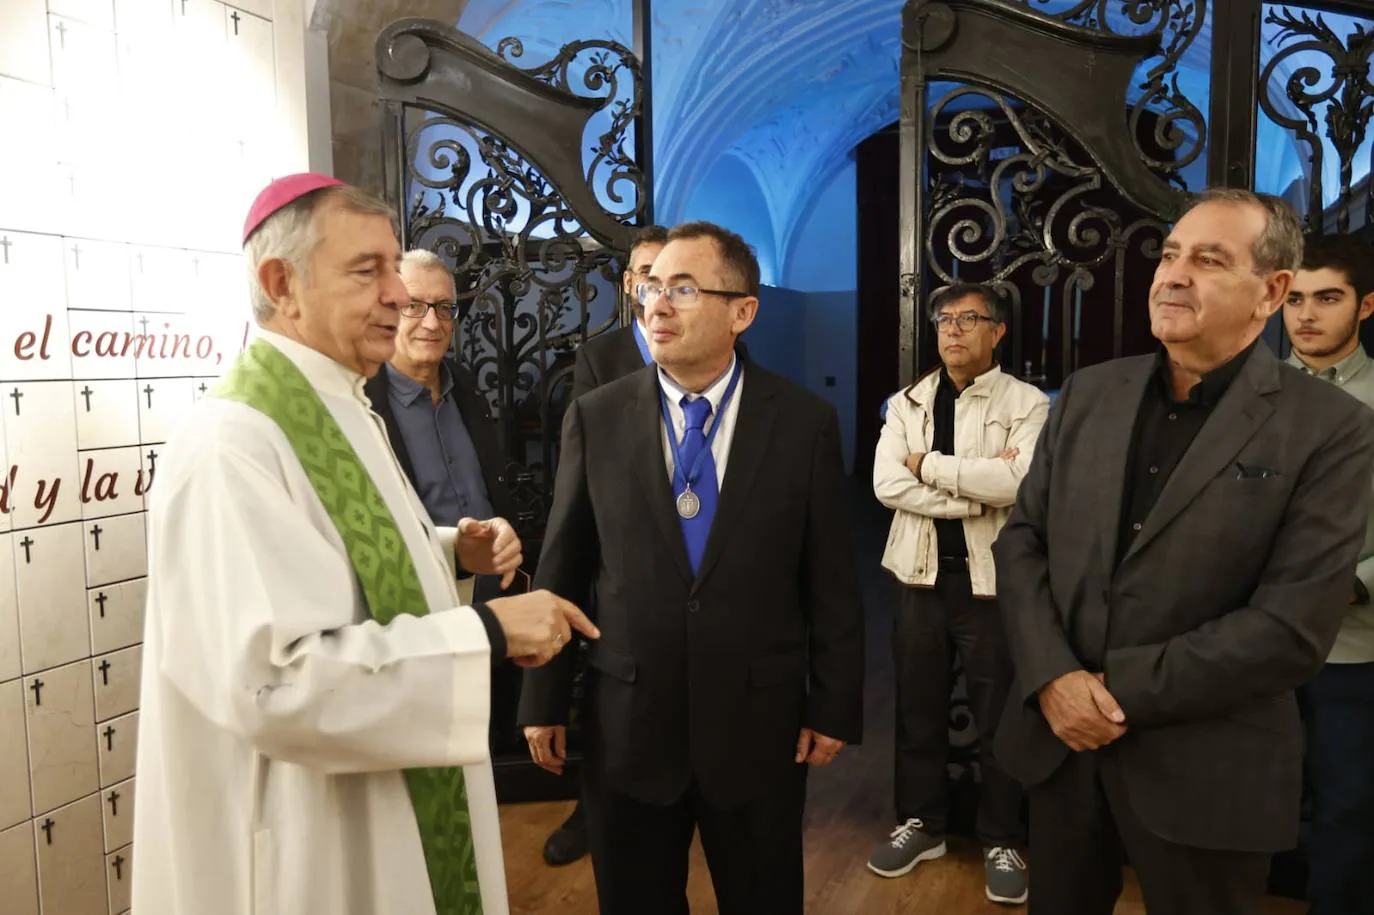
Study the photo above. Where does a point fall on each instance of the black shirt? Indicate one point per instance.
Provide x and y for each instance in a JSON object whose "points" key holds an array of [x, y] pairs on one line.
{"points": [[949, 532], [1164, 428]]}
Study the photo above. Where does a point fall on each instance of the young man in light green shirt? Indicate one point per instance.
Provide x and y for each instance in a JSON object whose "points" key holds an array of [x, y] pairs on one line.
{"points": [[1331, 295]]}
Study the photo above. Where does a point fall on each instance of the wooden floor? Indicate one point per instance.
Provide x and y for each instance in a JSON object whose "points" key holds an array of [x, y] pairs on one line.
{"points": [[837, 881], [849, 810]]}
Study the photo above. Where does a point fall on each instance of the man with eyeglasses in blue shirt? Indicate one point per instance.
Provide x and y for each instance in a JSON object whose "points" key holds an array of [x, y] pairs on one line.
{"points": [[445, 440], [439, 425]]}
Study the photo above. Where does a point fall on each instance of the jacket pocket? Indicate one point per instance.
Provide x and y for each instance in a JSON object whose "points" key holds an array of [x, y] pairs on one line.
{"points": [[613, 663], [996, 432], [778, 668]]}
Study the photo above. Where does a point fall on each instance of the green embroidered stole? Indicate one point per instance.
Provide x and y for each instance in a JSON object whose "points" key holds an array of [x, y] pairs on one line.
{"points": [[269, 382]]}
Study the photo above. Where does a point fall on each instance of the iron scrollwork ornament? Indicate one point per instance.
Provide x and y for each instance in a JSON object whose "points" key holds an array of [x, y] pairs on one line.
{"points": [[1019, 199], [1179, 130], [608, 64], [532, 214], [1346, 91]]}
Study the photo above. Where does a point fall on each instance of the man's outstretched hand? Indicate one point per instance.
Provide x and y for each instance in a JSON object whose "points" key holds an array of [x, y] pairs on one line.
{"points": [[489, 548], [539, 625]]}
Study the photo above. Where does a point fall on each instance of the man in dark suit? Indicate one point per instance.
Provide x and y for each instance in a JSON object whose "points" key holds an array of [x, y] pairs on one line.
{"points": [[604, 358], [599, 361], [442, 432], [1175, 567], [719, 548]]}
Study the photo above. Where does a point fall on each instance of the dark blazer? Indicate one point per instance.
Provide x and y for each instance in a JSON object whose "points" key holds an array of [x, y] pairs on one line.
{"points": [[707, 677], [610, 356], [472, 406], [1228, 599], [605, 358]]}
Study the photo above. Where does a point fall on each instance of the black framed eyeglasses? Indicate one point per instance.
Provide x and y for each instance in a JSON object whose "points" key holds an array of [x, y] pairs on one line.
{"points": [[447, 311], [680, 296], [965, 321]]}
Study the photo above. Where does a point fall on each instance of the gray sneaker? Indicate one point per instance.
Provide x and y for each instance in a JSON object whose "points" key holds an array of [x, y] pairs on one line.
{"points": [[1006, 876], [906, 847]]}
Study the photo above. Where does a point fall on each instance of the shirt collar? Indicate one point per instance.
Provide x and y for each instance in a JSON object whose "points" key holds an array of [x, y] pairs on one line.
{"points": [[714, 392], [979, 385], [408, 390], [1341, 372], [324, 374], [1212, 385]]}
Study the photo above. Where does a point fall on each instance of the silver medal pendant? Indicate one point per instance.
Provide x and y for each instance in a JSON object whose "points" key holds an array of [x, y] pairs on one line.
{"points": [[688, 504]]}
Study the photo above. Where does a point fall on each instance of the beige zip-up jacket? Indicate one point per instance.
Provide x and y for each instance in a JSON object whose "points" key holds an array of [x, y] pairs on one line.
{"points": [[994, 413]]}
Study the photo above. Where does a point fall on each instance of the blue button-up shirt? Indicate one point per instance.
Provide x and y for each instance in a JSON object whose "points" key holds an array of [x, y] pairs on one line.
{"points": [[448, 476]]}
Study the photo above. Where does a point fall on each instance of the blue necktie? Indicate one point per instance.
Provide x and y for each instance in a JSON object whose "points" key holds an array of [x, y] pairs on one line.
{"points": [[695, 530]]}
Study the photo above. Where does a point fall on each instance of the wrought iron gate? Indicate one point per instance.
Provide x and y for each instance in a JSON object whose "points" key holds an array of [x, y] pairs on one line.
{"points": [[490, 167], [1051, 167]]}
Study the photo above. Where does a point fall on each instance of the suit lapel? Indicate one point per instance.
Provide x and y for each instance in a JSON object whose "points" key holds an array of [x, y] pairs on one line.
{"points": [[748, 448], [1113, 454], [627, 356], [646, 424], [378, 390], [1234, 421]]}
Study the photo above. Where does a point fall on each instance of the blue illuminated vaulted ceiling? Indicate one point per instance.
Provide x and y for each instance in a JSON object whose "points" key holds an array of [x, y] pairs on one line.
{"points": [[787, 88]]}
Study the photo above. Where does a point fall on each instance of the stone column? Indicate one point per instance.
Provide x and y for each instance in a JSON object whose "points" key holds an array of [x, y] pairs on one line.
{"points": [[352, 27]]}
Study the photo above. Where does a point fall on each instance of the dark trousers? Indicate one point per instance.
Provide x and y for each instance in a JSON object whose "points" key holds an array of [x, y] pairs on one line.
{"points": [[1083, 831], [1339, 708], [639, 851], [929, 625]]}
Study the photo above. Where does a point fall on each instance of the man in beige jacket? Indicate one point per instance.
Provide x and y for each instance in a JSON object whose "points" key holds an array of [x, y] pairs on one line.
{"points": [[953, 451]]}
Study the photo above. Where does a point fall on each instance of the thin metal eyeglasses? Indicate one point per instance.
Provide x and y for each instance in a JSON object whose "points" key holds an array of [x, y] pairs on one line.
{"points": [[446, 311], [965, 321], [681, 296]]}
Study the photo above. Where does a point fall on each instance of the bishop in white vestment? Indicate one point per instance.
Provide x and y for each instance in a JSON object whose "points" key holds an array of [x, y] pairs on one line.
{"points": [[277, 715]]}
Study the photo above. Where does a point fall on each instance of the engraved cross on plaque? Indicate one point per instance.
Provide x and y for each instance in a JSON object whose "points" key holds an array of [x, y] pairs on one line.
{"points": [[152, 461], [148, 390], [104, 669], [47, 826], [62, 41], [202, 387], [15, 395], [100, 599], [26, 543], [108, 734], [95, 533], [114, 803], [235, 16], [86, 392], [118, 865], [37, 687], [143, 322], [76, 249], [6, 243]]}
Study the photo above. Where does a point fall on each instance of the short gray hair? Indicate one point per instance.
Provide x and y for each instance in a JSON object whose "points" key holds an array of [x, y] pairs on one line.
{"points": [[292, 235], [421, 259], [1279, 246]]}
